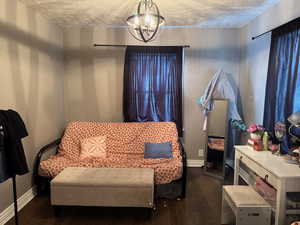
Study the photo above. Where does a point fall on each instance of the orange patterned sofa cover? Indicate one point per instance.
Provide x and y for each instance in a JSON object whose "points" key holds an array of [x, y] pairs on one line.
{"points": [[125, 148]]}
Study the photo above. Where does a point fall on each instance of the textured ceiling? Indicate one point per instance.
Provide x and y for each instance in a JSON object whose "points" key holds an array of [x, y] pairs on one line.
{"points": [[202, 13]]}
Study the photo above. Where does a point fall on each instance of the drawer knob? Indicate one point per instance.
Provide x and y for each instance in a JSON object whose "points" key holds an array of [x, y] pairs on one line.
{"points": [[241, 157]]}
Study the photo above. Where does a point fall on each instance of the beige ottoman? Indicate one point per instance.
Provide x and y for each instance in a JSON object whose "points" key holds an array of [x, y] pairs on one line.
{"points": [[115, 187]]}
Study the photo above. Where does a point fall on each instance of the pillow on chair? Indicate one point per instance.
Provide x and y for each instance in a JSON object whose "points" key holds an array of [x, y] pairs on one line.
{"points": [[93, 147], [158, 150]]}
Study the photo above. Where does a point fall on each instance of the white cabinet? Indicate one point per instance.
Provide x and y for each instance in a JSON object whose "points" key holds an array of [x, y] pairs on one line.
{"points": [[285, 178]]}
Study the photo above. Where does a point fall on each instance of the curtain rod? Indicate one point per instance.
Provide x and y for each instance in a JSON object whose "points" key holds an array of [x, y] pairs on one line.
{"points": [[258, 36], [124, 46], [253, 38]]}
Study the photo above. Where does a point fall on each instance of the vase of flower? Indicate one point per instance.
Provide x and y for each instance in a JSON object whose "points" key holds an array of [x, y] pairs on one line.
{"points": [[256, 132]]}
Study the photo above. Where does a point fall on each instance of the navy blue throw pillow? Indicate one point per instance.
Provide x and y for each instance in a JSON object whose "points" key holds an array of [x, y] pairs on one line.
{"points": [[158, 150]]}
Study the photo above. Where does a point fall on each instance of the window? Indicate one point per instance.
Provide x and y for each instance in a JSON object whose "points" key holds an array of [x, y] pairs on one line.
{"points": [[153, 85]]}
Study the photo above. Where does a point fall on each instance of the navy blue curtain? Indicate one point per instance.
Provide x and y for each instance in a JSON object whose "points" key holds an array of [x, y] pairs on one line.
{"points": [[153, 85], [283, 81]]}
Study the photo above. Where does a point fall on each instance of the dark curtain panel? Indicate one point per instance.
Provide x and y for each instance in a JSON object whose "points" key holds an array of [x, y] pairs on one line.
{"points": [[283, 81], [153, 85]]}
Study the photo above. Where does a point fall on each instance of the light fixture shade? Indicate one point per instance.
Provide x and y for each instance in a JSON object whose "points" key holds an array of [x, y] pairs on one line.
{"points": [[145, 22], [294, 119]]}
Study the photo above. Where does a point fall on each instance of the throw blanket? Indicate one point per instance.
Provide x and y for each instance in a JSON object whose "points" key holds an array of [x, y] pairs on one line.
{"points": [[125, 148]]}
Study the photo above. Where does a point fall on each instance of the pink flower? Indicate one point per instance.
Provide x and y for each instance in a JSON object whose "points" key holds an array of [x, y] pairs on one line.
{"points": [[259, 127], [255, 129], [252, 128]]}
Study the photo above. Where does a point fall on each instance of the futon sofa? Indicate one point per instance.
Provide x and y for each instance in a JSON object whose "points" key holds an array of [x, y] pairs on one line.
{"points": [[124, 149]]}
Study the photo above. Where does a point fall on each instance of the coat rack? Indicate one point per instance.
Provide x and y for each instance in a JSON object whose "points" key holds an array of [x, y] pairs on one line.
{"points": [[13, 180]]}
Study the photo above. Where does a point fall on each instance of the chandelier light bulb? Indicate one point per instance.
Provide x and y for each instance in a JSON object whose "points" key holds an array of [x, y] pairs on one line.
{"points": [[147, 19], [136, 21]]}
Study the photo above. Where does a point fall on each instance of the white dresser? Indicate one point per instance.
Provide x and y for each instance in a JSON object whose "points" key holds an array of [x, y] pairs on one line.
{"points": [[282, 176]]}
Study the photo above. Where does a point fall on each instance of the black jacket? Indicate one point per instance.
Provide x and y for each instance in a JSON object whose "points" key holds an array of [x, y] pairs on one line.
{"points": [[12, 156]]}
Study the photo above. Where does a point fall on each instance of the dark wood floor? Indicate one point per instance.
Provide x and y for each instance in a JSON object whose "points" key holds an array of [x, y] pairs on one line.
{"points": [[202, 206]]}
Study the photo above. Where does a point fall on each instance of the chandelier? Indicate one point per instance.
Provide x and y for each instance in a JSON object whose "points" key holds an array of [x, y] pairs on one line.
{"points": [[145, 22]]}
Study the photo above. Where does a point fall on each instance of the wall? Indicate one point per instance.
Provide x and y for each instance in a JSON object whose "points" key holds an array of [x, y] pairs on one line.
{"points": [[31, 81], [94, 76], [255, 56]]}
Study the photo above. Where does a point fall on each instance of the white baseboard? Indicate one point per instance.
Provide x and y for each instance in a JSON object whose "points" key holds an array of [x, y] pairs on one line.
{"points": [[8, 213], [195, 162]]}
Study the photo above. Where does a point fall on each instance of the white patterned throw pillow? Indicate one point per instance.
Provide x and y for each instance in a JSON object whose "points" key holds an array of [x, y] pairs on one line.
{"points": [[93, 147]]}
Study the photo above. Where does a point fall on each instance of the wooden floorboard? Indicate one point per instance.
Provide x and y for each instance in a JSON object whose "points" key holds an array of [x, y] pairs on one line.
{"points": [[202, 206]]}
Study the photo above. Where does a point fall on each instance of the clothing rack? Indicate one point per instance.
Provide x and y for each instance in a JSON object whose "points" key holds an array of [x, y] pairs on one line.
{"points": [[2, 134]]}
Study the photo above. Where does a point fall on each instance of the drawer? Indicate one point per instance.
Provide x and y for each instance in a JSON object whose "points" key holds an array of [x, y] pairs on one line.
{"points": [[260, 171]]}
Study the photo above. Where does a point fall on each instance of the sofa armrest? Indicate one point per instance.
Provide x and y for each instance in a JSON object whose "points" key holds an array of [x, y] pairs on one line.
{"points": [[42, 151], [184, 167]]}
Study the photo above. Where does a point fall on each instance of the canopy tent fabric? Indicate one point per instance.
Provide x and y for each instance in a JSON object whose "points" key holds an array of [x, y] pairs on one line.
{"points": [[220, 87]]}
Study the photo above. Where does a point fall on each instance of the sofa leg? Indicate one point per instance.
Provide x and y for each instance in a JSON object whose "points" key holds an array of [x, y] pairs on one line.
{"points": [[57, 210], [182, 194], [150, 212], [43, 186]]}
